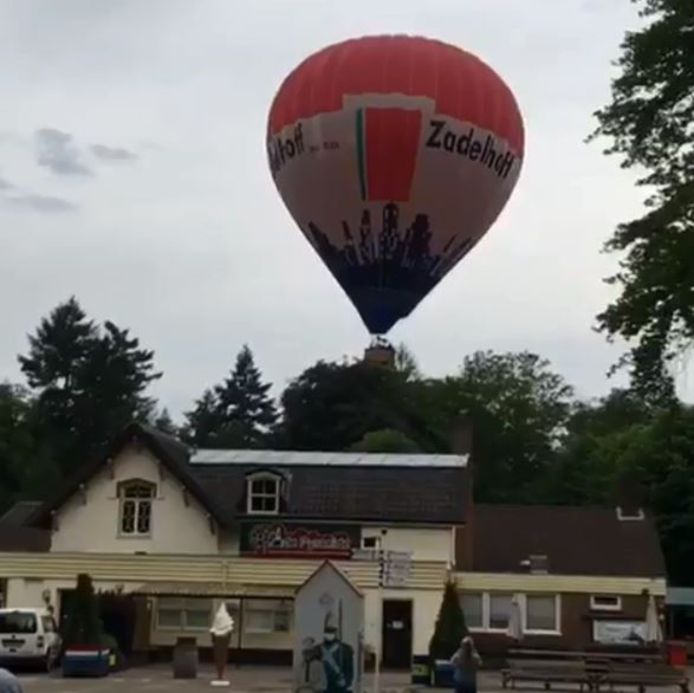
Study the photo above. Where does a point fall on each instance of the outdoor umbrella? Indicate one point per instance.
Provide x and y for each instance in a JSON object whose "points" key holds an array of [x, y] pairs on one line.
{"points": [[653, 632], [515, 621]]}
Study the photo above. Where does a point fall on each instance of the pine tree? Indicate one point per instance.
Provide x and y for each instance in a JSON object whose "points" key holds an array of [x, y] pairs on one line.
{"points": [[88, 382], [82, 624], [236, 414], [163, 422], [246, 409], [450, 625], [203, 422]]}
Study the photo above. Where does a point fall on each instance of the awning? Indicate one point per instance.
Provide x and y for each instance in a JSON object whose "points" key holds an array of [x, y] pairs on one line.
{"points": [[211, 589], [680, 596]]}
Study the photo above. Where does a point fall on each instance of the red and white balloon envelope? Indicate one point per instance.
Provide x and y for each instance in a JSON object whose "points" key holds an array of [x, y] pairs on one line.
{"points": [[394, 155]]}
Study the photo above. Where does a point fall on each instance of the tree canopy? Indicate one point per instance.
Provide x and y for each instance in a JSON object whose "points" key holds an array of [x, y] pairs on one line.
{"points": [[650, 122], [238, 413]]}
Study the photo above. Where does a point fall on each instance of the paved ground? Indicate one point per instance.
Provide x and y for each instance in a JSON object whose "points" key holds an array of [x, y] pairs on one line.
{"points": [[158, 679], [153, 679]]}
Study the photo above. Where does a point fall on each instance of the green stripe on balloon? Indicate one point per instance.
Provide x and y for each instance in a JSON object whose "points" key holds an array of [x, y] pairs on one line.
{"points": [[361, 163]]}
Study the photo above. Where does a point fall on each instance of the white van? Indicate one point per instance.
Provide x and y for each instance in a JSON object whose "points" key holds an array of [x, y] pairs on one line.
{"points": [[29, 636]]}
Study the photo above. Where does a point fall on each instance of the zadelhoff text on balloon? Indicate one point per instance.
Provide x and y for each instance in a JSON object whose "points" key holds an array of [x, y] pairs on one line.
{"points": [[442, 136], [280, 150]]}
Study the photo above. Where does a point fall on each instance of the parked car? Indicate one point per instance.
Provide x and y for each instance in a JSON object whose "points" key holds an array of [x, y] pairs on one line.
{"points": [[29, 636]]}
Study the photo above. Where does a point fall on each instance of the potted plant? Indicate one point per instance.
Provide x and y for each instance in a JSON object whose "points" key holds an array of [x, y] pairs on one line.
{"points": [[86, 653]]}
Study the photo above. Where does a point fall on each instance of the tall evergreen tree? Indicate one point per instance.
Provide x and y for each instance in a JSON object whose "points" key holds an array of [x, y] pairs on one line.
{"points": [[239, 413], [246, 409], [203, 423], [163, 422], [88, 382], [450, 625]]}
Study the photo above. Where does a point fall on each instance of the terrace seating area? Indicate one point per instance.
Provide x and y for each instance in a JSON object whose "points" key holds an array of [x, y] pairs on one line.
{"points": [[594, 671]]}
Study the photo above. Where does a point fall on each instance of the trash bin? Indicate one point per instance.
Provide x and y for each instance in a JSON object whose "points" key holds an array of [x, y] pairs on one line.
{"points": [[443, 674], [421, 671], [185, 658], [677, 653]]}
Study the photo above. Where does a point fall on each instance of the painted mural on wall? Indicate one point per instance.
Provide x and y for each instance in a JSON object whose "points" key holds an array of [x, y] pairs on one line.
{"points": [[298, 540], [328, 651]]}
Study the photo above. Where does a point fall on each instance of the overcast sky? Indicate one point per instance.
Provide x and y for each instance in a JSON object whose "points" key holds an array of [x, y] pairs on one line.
{"points": [[133, 175]]}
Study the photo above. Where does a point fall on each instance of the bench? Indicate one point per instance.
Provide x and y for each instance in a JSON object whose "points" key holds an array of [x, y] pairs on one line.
{"points": [[641, 676], [547, 672]]}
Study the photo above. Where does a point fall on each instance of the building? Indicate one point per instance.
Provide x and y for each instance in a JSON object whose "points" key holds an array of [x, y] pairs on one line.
{"points": [[169, 534]]}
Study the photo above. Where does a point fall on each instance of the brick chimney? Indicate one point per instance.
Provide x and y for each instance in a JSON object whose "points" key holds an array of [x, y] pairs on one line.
{"points": [[462, 444], [630, 496]]}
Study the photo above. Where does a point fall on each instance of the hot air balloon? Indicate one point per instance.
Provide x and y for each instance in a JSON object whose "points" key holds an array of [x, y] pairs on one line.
{"points": [[394, 155]]}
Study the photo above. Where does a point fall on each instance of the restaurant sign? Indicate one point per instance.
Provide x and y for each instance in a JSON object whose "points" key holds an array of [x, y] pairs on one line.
{"points": [[298, 540]]}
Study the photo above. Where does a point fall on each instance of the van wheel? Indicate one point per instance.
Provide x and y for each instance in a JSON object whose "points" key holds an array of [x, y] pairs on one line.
{"points": [[49, 662]]}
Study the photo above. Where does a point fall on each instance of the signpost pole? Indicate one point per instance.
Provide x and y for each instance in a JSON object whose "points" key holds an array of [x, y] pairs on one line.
{"points": [[379, 618]]}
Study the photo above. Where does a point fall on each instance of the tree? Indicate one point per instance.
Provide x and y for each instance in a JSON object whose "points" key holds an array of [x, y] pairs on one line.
{"points": [[661, 454], [650, 124], [239, 413], [165, 423], [82, 624], [332, 406], [406, 362], [518, 409], [586, 471], [113, 380], [386, 440], [202, 422], [450, 626], [27, 470], [88, 382]]}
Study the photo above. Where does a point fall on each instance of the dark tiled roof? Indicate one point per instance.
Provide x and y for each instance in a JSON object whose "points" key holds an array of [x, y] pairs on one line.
{"points": [[24, 539], [171, 452], [576, 541], [19, 513], [378, 493]]}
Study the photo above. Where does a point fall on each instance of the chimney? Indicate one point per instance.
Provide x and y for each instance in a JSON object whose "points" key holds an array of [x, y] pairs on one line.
{"points": [[630, 496], [461, 444]]}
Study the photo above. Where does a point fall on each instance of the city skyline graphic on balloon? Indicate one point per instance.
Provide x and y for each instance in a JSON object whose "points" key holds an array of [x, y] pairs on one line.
{"points": [[394, 155]]}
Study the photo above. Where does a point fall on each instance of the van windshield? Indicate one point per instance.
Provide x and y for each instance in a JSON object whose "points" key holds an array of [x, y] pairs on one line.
{"points": [[17, 622]]}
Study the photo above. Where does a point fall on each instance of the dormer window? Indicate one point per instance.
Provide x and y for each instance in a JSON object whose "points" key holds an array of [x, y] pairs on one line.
{"points": [[263, 494], [136, 508]]}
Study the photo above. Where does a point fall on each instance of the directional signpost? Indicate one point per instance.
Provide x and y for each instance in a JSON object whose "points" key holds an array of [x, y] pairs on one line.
{"points": [[394, 569]]}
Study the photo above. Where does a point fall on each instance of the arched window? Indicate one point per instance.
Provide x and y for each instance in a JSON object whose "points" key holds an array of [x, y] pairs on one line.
{"points": [[136, 507], [263, 493]]}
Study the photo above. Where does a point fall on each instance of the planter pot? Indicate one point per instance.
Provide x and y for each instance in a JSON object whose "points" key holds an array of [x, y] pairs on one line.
{"points": [[443, 674], [421, 670], [86, 662]]}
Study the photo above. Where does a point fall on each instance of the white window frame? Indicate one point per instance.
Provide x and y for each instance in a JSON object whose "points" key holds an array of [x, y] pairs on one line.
{"points": [[183, 625], [594, 606], [557, 614], [122, 499], [522, 601], [263, 476], [485, 611], [279, 606]]}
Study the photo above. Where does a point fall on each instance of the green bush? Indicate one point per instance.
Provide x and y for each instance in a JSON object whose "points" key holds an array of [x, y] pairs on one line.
{"points": [[450, 625]]}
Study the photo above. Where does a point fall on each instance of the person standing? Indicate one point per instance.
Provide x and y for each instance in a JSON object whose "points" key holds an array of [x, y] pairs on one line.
{"points": [[466, 661]]}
